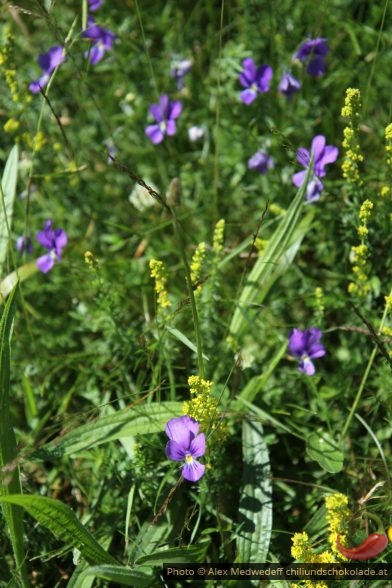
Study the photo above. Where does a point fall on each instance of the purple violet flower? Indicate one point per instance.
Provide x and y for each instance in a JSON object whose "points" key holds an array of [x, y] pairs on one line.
{"points": [[94, 4], [23, 244], [305, 346], [165, 114], [289, 85], [185, 445], [102, 41], [322, 155], [313, 51], [54, 241], [48, 63], [254, 79], [261, 162], [179, 70]]}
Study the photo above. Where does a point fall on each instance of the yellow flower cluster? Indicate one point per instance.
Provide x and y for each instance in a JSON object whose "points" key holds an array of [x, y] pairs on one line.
{"points": [[338, 514], [388, 302], [8, 70], [302, 550], [353, 156], [388, 144], [276, 209], [261, 244], [359, 253], [219, 231], [385, 191], [11, 125], [202, 406], [158, 273], [319, 302], [197, 265]]}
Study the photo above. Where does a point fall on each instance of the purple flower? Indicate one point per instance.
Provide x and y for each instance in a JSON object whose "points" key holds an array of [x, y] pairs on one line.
{"points": [[185, 445], [179, 70], [94, 4], [254, 79], [165, 114], [322, 155], [305, 345], [102, 40], [48, 63], [23, 244], [288, 85], [261, 162], [313, 51], [54, 241]]}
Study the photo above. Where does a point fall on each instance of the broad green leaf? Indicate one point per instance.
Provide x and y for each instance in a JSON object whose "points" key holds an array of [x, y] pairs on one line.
{"points": [[255, 507], [7, 197], [19, 275], [139, 420], [321, 447], [114, 573], [194, 553], [266, 268], [61, 520], [9, 470]]}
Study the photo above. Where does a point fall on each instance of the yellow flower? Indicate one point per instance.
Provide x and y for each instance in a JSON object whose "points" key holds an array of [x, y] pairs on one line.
{"points": [[11, 125], [217, 241], [158, 273]]}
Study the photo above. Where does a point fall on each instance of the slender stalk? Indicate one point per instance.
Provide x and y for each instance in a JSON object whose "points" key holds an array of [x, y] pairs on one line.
{"points": [[365, 376], [215, 192], [180, 241]]}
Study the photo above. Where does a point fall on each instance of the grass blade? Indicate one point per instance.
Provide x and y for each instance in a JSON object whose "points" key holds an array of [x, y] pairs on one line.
{"points": [[8, 191], [119, 574], [9, 471], [266, 268]]}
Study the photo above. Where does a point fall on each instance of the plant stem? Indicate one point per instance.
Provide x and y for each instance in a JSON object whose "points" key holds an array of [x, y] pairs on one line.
{"points": [[365, 375], [196, 326]]}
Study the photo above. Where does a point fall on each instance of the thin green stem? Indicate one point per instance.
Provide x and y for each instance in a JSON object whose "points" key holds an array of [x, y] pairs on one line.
{"points": [[196, 326], [215, 192], [365, 376]]}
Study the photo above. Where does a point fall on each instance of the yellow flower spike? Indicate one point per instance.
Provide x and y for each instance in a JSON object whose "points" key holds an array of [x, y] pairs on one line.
{"points": [[11, 125], [219, 231], [158, 273], [197, 263], [203, 407], [353, 156]]}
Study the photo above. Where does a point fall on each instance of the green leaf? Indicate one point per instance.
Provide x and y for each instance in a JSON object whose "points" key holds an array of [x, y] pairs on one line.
{"points": [[269, 265], [321, 447], [20, 275], [114, 573], [9, 471], [255, 508], [139, 420], [7, 195], [61, 520]]}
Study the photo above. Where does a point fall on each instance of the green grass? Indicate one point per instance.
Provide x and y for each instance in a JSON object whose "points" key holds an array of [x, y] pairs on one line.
{"points": [[92, 368]]}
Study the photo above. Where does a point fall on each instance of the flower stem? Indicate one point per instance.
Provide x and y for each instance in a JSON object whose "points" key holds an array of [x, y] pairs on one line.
{"points": [[365, 376], [180, 241]]}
